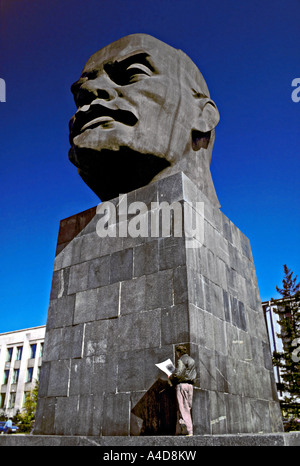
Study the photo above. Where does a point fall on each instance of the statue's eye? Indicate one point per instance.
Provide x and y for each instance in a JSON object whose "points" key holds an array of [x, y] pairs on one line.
{"points": [[129, 70], [137, 71]]}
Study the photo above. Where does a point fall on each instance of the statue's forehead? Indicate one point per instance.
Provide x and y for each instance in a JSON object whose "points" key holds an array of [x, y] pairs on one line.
{"points": [[166, 59], [163, 56]]}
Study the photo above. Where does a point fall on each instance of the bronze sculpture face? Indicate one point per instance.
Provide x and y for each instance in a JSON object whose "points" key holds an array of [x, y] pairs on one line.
{"points": [[143, 112]]}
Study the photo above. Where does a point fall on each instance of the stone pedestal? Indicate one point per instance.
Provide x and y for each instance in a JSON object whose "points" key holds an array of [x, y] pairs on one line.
{"points": [[120, 304]]}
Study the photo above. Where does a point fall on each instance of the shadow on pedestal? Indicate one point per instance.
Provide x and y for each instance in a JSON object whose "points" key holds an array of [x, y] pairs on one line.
{"points": [[157, 410]]}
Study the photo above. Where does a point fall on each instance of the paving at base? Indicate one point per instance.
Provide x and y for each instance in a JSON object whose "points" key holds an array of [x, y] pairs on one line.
{"points": [[277, 439]]}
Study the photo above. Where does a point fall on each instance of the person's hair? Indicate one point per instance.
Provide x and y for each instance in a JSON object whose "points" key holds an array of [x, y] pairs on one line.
{"points": [[181, 349]]}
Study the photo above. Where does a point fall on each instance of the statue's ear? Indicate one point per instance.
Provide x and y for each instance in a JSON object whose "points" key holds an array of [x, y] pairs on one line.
{"points": [[207, 119], [209, 116]]}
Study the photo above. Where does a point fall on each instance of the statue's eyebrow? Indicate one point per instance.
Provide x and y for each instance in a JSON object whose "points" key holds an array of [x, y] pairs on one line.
{"points": [[140, 57], [118, 70], [115, 68]]}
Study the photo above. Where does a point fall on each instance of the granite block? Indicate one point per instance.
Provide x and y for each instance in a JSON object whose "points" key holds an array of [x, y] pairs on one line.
{"points": [[207, 369], [220, 340], [193, 258], [234, 413], [201, 327], [99, 337], [201, 412], [222, 381], [242, 316], [207, 295], [139, 330], [137, 370], [44, 379], [61, 312], [216, 297], [111, 244], [146, 259], [60, 283], [245, 245], [64, 423], [221, 247], [210, 236], [174, 324], [170, 189], [53, 344], [221, 270], [197, 289], [116, 414], [108, 301], [218, 422], [260, 415], [226, 304], [212, 271], [59, 378], [85, 306], [81, 376], [90, 415], [98, 272], [171, 252], [159, 290], [232, 282], [226, 228], [121, 265], [147, 194], [45, 416], [73, 339], [180, 284], [90, 247], [133, 295], [276, 418], [78, 279], [105, 373]]}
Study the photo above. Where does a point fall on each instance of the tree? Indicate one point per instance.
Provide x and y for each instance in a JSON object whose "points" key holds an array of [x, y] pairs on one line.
{"points": [[288, 361], [25, 419]]}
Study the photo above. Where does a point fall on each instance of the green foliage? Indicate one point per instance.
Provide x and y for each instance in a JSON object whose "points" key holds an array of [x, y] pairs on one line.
{"points": [[288, 361], [25, 419]]}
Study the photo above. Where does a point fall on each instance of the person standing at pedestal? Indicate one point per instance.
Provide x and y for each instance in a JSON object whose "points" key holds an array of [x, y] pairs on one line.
{"points": [[183, 378]]}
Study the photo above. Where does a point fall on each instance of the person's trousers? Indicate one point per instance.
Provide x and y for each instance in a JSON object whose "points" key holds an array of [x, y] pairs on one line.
{"points": [[184, 395]]}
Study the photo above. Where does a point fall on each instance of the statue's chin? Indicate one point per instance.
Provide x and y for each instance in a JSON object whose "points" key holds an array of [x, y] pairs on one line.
{"points": [[110, 173]]}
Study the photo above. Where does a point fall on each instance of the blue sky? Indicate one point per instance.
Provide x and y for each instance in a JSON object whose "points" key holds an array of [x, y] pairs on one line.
{"points": [[248, 53]]}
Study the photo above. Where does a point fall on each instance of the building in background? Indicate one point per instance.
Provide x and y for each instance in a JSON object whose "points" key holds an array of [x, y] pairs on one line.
{"points": [[274, 329], [21, 354]]}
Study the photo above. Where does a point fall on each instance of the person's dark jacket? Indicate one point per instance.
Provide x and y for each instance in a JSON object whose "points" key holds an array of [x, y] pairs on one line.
{"points": [[185, 371]]}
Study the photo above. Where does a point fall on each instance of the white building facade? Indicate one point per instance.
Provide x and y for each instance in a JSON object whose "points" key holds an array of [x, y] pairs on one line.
{"points": [[21, 353]]}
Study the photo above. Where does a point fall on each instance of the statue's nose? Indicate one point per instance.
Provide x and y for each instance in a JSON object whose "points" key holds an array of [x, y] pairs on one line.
{"points": [[99, 88]]}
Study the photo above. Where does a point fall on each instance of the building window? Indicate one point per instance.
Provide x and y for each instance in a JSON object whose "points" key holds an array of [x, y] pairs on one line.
{"points": [[19, 353], [2, 400], [5, 377], [41, 350], [32, 350], [29, 374], [12, 400], [9, 354], [15, 376]]}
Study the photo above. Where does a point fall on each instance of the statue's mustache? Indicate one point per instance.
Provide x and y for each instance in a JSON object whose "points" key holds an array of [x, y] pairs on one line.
{"points": [[92, 115]]}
